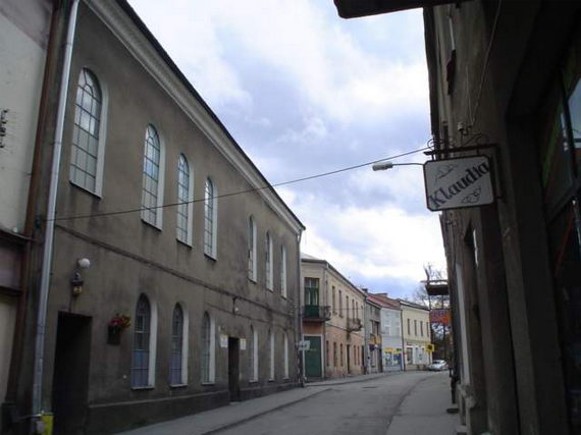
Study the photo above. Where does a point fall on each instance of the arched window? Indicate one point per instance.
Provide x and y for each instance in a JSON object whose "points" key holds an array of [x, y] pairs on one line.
{"points": [[87, 148], [283, 287], [152, 178], [185, 202], [141, 344], [253, 354], [268, 260], [251, 249], [210, 219], [207, 349], [285, 343], [272, 353], [176, 364]]}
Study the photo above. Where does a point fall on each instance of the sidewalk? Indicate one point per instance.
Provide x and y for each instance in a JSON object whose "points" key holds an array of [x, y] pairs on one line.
{"points": [[422, 411]]}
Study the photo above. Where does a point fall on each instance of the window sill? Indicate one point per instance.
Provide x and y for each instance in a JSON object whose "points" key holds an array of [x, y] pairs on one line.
{"points": [[210, 257], [208, 384], [253, 381], [144, 388], [177, 386], [186, 244]]}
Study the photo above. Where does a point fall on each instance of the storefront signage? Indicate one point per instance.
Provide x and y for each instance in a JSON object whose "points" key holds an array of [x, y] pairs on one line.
{"points": [[458, 183]]}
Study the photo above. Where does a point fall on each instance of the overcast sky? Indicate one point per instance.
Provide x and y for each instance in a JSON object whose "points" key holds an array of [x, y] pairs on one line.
{"points": [[305, 92]]}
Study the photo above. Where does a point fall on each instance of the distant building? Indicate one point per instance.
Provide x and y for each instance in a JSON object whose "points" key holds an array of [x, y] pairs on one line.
{"points": [[333, 321], [374, 363], [416, 335], [391, 331]]}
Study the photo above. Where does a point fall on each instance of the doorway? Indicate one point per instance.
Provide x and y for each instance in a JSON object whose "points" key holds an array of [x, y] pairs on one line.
{"points": [[348, 358], [71, 373], [234, 368]]}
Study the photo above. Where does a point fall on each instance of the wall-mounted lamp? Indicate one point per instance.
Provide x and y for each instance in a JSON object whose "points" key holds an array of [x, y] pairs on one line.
{"points": [[77, 279], [234, 305], [382, 166]]}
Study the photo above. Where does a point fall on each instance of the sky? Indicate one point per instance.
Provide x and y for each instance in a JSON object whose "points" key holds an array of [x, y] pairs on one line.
{"points": [[305, 92]]}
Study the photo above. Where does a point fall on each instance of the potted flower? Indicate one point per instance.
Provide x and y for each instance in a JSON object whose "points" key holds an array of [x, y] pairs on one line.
{"points": [[115, 326]]}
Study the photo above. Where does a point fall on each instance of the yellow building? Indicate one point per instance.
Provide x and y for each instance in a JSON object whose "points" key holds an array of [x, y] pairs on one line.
{"points": [[416, 335]]}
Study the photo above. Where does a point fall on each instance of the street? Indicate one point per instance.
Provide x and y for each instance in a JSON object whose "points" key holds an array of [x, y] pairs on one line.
{"points": [[393, 404]]}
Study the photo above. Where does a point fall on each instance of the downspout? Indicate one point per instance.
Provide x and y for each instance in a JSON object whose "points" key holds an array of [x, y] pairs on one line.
{"points": [[301, 356], [51, 213], [31, 211]]}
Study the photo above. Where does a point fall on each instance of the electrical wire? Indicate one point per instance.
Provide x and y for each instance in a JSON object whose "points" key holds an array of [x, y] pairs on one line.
{"points": [[240, 192]]}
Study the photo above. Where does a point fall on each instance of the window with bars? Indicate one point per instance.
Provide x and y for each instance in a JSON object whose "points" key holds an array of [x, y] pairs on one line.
{"points": [[86, 144], [151, 200], [210, 220], [206, 349], [268, 261], [272, 354], [185, 202], [283, 275], [177, 340], [141, 344], [251, 249], [253, 354]]}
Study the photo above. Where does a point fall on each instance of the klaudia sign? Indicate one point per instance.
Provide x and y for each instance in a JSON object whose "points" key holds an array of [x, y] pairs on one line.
{"points": [[458, 183]]}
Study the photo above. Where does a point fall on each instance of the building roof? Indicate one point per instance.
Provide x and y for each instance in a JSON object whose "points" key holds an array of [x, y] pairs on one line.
{"points": [[410, 304], [384, 301]]}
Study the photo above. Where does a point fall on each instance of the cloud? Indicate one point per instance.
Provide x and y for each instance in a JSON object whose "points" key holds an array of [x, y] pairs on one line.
{"points": [[372, 243]]}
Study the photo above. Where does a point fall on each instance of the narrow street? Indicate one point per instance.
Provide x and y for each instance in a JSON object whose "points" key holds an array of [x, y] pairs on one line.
{"points": [[393, 404]]}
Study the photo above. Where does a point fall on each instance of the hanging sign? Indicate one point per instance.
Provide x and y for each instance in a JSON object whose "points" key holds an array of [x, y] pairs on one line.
{"points": [[458, 183]]}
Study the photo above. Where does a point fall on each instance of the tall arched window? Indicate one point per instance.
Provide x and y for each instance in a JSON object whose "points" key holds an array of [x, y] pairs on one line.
{"points": [[285, 343], [253, 354], [268, 260], [272, 353], [207, 349], [141, 344], [86, 165], [185, 202], [152, 178], [210, 219], [283, 286], [251, 249], [176, 363]]}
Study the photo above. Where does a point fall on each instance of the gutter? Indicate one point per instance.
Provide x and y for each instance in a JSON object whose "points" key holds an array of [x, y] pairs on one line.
{"points": [[50, 219]]}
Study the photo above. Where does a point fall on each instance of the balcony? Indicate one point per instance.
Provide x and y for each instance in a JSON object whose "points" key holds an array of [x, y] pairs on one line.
{"points": [[316, 313], [354, 325]]}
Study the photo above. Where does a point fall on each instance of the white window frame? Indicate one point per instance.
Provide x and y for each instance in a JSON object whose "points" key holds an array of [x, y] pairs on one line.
{"points": [[156, 209], [268, 262], [188, 208], [101, 139], [152, 345], [252, 266], [286, 363], [283, 272], [210, 219], [210, 376], [272, 354], [253, 354]]}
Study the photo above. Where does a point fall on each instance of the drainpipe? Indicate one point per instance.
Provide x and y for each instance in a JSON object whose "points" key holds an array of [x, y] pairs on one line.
{"points": [[51, 213], [300, 315]]}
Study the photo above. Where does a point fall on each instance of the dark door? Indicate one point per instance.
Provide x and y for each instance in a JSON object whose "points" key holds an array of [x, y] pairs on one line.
{"points": [[71, 373], [348, 358], [313, 367], [234, 368]]}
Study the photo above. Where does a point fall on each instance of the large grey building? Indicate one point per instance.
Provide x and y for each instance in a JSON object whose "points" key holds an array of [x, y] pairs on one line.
{"points": [[172, 279]]}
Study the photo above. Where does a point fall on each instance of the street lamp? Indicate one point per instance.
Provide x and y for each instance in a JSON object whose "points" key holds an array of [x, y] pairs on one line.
{"points": [[382, 166]]}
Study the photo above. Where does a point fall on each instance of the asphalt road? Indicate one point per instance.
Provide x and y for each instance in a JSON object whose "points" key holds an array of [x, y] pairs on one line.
{"points": [[365, 408]]}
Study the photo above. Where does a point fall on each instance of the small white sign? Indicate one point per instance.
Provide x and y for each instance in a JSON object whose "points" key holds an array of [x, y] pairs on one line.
{"points": [[242, 344], [458, 183], [304, 345], [223, 341]]}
